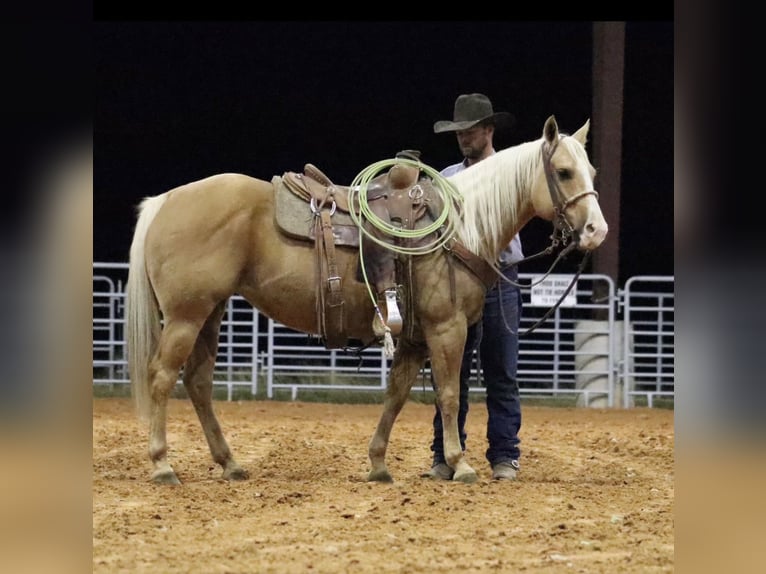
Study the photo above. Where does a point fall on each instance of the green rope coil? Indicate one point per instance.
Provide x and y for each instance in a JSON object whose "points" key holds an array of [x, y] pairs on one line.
{"points": [[453, 201], [358, 188]]}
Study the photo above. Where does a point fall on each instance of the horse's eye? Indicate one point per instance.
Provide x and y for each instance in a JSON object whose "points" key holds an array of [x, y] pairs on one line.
{"points": [[564, 174]]}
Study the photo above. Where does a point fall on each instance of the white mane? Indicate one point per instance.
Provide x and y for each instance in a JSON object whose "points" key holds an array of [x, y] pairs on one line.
{"points": [[493, 190]]}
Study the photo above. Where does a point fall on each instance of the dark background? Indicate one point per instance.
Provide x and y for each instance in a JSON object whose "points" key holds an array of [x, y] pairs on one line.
{"points": [[180, 101]]}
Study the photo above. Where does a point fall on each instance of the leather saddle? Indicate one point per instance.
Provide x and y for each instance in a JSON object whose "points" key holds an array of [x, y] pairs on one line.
{"points": [[310, 206], [406, 193]]}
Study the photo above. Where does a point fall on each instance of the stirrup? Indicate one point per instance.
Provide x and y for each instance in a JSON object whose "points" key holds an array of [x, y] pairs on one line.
{"points": [[393, 316], [392, 323]]}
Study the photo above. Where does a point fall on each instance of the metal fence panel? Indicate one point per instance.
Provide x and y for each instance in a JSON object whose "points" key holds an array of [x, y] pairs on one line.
{"points": [[648, 364], [569, 355]]}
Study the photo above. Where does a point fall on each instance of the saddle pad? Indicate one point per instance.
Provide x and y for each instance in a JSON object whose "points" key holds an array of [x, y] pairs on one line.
{"points": [[294, 218]]}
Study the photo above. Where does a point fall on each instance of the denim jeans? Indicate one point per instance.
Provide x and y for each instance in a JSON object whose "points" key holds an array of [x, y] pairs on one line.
{"points": [[498, 352]]}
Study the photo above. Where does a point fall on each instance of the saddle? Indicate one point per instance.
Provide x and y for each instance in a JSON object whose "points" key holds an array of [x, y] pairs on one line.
{"points": [[316, 188], [309, 206]]}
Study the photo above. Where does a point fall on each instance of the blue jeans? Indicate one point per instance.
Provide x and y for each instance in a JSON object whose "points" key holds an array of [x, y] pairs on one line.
{"points": [[499, 355]]}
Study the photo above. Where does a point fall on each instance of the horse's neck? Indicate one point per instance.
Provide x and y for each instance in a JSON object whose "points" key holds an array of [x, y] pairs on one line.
{"points": [[497, 195]]}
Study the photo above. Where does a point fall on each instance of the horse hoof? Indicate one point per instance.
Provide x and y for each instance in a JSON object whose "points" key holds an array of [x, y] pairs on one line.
{"points": [[236, 474], [379, 476], [468, 477], [166, 477]]}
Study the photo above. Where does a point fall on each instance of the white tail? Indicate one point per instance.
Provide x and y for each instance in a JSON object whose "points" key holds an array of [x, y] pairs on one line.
{"points": [[142, 314]]}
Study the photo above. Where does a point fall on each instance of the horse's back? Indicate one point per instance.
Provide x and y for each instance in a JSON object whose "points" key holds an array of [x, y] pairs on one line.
{"points": [[200, 239], [219, 188]]}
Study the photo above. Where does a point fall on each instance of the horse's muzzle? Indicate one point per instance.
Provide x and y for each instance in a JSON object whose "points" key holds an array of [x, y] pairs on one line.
{"points": [[591, 236]]}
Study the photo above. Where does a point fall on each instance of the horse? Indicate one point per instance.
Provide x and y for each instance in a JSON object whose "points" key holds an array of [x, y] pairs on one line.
{"points": [[198, 244]]}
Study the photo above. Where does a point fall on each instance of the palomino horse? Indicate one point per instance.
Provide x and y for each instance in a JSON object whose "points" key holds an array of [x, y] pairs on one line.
{"points": [[198, 244]]}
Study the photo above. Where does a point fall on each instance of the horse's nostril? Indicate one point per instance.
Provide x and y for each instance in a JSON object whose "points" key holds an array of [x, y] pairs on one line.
{"points": [[590, 228]]}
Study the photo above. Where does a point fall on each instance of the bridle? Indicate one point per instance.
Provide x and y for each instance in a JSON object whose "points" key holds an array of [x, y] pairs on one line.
{"points": [[560, 202], [562, 232]]}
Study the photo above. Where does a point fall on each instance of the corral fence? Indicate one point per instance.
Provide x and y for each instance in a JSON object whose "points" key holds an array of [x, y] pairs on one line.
{"points": [[621, 358]]}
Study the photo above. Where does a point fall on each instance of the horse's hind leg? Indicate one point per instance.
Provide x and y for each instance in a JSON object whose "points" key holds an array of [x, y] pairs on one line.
{"points": [[404, 370], [198, 380], [177, 340]]}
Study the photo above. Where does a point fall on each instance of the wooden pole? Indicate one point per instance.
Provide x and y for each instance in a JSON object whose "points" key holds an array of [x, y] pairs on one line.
{"points": [[606, 138]]}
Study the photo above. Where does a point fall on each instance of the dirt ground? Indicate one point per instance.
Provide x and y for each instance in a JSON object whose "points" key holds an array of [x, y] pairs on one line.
{"points": [[595, 494]]}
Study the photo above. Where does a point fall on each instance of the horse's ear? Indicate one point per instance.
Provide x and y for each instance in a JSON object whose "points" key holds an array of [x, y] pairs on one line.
{"points": [[581, 135], [551, 130]]}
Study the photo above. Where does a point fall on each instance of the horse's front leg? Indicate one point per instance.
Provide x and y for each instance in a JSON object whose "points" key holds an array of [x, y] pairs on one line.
{"points": [[407, 362], [446, 358]]}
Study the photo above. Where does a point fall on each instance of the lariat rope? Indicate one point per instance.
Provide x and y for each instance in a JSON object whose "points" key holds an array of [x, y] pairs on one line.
{"points": [[359, 186], [444, 223]]}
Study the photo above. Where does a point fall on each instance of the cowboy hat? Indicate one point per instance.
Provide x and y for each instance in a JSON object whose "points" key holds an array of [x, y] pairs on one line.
{"points": [[470, 109]]}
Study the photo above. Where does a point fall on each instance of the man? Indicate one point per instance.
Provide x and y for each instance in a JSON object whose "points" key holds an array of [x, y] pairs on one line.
{"points": [[496, 334]]}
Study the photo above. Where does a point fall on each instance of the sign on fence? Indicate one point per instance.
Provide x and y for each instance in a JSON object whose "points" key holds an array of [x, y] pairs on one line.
{"points": [[549, 291]]}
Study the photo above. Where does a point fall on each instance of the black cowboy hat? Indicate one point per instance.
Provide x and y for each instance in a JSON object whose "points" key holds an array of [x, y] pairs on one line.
{"points": [[470, 109]]}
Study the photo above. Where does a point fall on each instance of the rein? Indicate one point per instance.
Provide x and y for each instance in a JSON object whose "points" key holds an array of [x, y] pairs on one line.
{"points": [[550, 311]]}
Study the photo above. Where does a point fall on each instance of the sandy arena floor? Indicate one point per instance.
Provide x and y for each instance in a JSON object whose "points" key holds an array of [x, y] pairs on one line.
{"points": [[595, 494]]}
